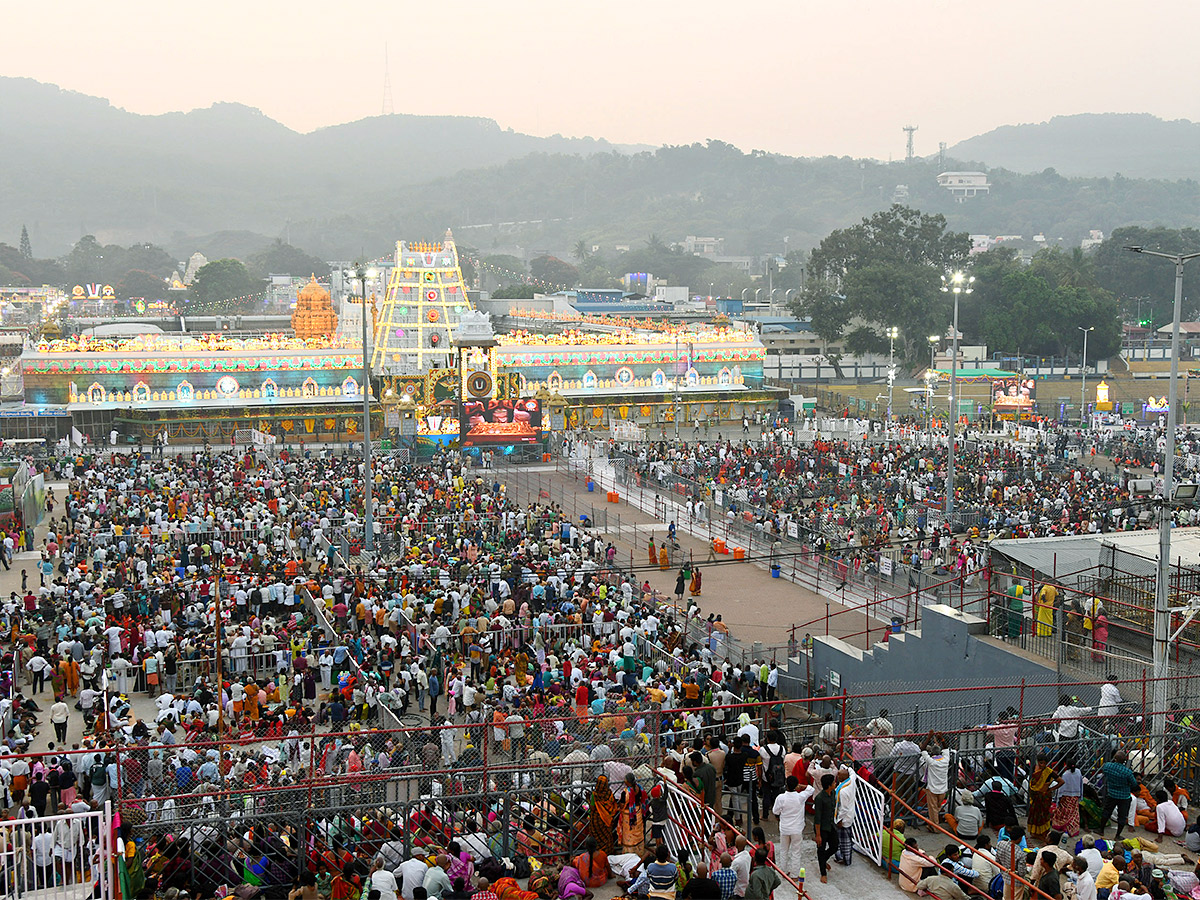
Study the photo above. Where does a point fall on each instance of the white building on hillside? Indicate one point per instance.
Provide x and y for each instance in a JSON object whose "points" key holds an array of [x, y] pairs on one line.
{"points": [[963, 185]]}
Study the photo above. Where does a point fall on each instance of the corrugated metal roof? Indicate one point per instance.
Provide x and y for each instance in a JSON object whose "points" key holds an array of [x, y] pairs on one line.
{"points": [[1069, 554], [1052, 556]]}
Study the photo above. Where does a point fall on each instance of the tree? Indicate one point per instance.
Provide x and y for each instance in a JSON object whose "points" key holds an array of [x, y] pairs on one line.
{"points": [[554, 272], [12, 278], [284, 259], [514, 292], [26, 246], [1029, 313], [220, 281], [1143, 282], [883, 272], [85, 262], [791, 276], [582, 251], [140, 283]]}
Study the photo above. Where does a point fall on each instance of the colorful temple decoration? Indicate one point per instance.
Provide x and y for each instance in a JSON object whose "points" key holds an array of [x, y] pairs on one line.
{"points": [[314, 316], [424, 299], [583, 363]]}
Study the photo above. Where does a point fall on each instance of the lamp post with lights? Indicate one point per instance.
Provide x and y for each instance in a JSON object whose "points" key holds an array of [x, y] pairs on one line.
{"points": [[1162, 584], [1083, 378], [957, 284], [893, 333], [362, 274]]}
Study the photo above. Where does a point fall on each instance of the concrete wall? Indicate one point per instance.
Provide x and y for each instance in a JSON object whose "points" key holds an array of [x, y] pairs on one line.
{"points": [[946, 653]]}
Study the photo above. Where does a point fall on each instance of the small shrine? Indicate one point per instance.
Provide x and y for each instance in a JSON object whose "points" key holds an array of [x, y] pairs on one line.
{"points": [[314, 316]]}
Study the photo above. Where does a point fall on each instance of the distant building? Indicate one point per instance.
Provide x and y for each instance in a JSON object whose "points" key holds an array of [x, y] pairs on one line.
{"points": [[194, 265], [675, 295], [747, 264], [704, 246], [900, 194], [1095, 238], [638, 283], [964, 185]]}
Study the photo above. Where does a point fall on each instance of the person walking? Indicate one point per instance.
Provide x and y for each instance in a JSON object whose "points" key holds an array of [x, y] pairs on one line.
{"points": [[824, 829], [60, 713], [789, 810]]}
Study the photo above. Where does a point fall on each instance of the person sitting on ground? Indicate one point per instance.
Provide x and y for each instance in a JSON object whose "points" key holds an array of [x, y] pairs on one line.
{"points": [[913, 864], [968, 816], [1168, 817]]}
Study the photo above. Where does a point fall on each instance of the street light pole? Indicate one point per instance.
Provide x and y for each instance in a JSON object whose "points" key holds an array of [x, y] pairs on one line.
{"points": [[893, 333], [930, 381], [956, 284], [362, 274], [1083, 378], [1162, 583]]}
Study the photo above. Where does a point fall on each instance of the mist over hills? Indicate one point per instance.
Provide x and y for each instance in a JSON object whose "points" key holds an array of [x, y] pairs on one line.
{"points": [[230, 179], [1135, 145]]}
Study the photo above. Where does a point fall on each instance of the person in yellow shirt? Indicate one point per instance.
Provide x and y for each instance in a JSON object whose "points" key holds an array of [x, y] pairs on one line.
{"points": [[1108, 875]]}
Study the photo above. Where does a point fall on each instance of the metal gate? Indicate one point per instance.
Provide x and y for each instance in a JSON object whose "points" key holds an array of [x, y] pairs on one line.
{"points": [[68, 857], [869, 810]]}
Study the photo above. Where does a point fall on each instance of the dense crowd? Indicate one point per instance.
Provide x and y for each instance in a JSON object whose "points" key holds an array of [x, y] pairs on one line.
{"points": [[554, 708], [881, 492]]}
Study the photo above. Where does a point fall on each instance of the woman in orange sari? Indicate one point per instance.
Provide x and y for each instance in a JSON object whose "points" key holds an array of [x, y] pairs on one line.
{"points": [[664, 561], [603, 815], [1042, 785], [592, 865], [632, 827], [694, 587]]}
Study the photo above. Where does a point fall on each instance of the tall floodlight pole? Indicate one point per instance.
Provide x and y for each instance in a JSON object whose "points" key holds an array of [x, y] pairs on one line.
{"points": [[956, 284], [1083, 379], [893, 333], [1162, 584], [931, 380], [362, 274]]}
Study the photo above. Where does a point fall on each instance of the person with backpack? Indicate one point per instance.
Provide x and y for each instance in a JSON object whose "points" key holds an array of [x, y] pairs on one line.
{"points": [[773, 753], [98, 779]]}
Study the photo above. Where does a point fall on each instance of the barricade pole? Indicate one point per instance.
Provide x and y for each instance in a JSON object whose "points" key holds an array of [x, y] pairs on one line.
{"points": [[842, 728], [1021, 710]]}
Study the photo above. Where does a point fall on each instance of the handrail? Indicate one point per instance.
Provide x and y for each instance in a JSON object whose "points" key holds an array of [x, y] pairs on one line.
{"points": [[934, 826], [708, 811]]}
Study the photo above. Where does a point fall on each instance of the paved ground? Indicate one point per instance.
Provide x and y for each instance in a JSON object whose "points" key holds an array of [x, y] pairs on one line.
{"points": [[755, 606]]}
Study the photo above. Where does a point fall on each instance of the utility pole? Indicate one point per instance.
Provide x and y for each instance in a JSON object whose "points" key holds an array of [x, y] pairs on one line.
{"points": [[893, 333], [1083, 379], [362, 274], [956, 284], [218, 648], [1162, 585]]}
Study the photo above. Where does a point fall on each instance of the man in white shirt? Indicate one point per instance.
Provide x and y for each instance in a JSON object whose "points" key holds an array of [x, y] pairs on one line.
{"points": [[412, 876], [1085, 884], [789, 810], [1066, 718], [1110, 698], [741, 866], [383, 881], [1170, 819]]}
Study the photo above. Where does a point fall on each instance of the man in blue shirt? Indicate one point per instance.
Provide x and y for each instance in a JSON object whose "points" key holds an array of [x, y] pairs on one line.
{"points": [[1119, 785], [725, 877]]}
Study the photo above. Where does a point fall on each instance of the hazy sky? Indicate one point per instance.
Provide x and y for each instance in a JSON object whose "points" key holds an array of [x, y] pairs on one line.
{"points": [[794, 76]]}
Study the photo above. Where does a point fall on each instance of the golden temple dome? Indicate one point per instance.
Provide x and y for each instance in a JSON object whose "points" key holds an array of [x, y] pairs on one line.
{"points": [[314, 315]]}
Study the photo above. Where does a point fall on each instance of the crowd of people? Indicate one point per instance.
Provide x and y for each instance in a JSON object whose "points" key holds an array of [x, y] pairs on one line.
{"points": [[495, 703], [878, 493]]}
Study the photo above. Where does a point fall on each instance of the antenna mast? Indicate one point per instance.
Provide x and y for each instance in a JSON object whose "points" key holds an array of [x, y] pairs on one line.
{"points": [[387, 85], [908, 152]]}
